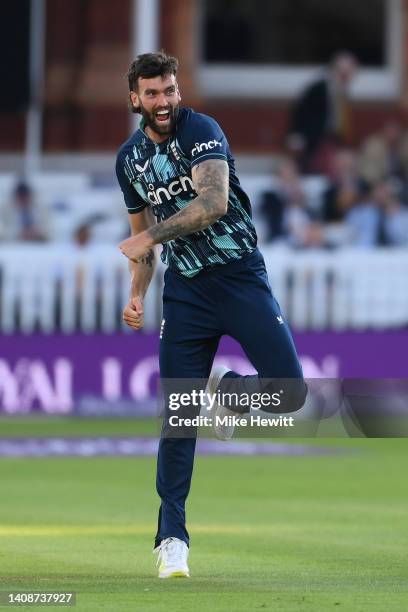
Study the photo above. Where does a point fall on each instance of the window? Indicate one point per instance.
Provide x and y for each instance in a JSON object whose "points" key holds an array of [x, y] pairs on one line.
{"points": [[14, 50], [272, 47]]}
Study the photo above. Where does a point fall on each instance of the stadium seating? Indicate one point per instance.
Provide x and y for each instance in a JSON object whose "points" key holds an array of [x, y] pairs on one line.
{"points": [[67, 287]]}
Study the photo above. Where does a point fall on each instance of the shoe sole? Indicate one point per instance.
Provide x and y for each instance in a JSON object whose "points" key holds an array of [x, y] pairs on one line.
{"points": [[175, 575], [211, 387]]}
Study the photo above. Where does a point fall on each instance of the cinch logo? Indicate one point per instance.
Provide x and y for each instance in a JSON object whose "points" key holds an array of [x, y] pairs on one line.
{"points": [[180, 185], [205, 146]]}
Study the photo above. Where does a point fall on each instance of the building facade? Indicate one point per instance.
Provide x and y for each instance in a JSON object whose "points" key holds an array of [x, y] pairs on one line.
{"points": [[235, 65]]}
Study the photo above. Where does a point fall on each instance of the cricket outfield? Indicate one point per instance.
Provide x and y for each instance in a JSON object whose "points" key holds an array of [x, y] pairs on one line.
{"points": [[281, 532]]}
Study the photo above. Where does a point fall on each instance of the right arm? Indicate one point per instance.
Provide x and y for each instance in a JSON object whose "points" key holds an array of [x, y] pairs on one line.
{"points": [[141, 272], [210, 180]]}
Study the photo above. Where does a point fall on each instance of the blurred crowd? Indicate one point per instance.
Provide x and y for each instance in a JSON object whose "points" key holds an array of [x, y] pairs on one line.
{"points": [[363, 204], [23, 217], [365, 199], [362, 199], [92, 216]]}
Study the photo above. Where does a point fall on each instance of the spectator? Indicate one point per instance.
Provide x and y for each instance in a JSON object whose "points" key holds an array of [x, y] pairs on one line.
{"points": [[363, 221], [82, 238], [380, 219], [385, 154], [344, 190], [24, 218], [285, 211], [393, 215], [83, 235], [321, 117]]}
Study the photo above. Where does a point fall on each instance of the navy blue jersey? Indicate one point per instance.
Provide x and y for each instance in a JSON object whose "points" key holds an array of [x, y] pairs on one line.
{"points": [[159, 175]]}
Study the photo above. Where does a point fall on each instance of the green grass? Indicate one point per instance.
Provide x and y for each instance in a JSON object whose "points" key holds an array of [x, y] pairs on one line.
{"points": [[70, 426], [267, 533]]}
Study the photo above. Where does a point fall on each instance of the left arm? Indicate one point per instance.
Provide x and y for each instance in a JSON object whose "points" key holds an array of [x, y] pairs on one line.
{"points": [[211, 182]]}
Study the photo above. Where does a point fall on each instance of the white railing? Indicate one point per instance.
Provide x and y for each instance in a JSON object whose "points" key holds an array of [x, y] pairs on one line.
{"points": [[349, 288], [51, 288]]}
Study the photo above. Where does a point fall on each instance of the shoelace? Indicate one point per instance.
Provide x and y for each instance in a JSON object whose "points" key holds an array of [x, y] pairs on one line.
{"points": [[170, 551]]}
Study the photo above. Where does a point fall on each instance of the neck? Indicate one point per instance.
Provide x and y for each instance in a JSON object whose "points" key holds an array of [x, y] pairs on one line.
{"points": [[155, 136]]}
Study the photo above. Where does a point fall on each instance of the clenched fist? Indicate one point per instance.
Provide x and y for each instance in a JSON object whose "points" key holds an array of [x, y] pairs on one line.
{"points": [[133, 313], [137, 248]]}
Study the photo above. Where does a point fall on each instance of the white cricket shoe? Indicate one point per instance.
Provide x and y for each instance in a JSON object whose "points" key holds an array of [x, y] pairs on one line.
{"points": [[222, 431], [173, 555]]}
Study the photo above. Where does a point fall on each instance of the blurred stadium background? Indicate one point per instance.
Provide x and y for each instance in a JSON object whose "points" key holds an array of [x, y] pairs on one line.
{"points": [[327, 177], [325, 162]]}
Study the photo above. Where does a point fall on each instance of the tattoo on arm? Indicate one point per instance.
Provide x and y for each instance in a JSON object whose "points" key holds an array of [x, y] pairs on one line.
{"points": [[211, 183], [148, 259], [141, 275]]}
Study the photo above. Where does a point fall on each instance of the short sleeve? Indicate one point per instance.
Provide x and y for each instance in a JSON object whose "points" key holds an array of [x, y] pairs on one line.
{"points": [[134, 202], [202, 139]]}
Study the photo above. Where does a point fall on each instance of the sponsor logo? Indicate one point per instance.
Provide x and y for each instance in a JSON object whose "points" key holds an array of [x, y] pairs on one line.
{"points": [[173, 149], [31, 383], [183, 184], [142, 168], [205, 146], [163, 323]]}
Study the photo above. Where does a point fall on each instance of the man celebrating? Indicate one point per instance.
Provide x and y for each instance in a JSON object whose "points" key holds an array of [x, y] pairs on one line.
{"points": [[177, 167]]}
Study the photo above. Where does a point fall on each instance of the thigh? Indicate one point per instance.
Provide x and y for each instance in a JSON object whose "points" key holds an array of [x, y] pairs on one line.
{"points": [[255, 320], [192, 358], [187, 350], [188, 336]]}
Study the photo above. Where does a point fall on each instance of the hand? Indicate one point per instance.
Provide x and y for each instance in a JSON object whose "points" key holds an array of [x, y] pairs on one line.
{"points": [[138, 247], [133, 313]]}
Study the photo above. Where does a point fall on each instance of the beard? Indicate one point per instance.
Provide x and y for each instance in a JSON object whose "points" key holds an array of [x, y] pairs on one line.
{"points": [[155, 124]]}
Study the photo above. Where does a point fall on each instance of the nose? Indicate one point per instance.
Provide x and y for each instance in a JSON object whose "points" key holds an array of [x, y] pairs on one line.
{"points": [[162, 100]]}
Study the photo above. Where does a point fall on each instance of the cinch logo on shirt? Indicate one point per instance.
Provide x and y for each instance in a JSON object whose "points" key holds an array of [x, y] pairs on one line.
{"points": [[180, 185], [211, 144]]}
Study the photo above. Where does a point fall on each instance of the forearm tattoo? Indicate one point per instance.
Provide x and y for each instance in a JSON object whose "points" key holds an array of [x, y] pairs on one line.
{"points": [[211, 184], [148, 259]]}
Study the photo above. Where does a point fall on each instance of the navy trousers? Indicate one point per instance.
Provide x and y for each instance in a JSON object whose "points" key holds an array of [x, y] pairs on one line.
{"points": [[233, 299]]}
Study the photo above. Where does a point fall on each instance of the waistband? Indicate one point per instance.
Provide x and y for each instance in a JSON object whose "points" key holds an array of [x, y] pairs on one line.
{"points": [[230, 266]]}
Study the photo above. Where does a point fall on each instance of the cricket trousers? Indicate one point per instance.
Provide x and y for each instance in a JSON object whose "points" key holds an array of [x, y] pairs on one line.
{"points": [[234, 299]]}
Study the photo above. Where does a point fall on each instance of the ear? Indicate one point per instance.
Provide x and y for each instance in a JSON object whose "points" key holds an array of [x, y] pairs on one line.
{"points": [[134, 101]]}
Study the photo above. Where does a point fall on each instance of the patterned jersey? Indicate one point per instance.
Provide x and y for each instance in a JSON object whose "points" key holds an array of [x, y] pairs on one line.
{"points": [[159, 176]]}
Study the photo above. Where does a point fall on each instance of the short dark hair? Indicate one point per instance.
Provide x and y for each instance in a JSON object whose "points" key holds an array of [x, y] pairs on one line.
{"points": [[148, 66]]}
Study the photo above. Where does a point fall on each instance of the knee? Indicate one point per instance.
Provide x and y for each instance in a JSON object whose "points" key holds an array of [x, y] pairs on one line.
{"points": [[297, 395], [292, 398]]}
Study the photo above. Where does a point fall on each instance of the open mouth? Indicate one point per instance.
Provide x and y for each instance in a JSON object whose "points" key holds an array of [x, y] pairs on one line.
{"points": [[162, 116]]}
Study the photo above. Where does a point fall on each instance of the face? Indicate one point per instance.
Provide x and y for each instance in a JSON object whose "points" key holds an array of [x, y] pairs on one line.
{"points": [[158, 99], [345, 69], [344, 163], [288, 171], [383, 193]]}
